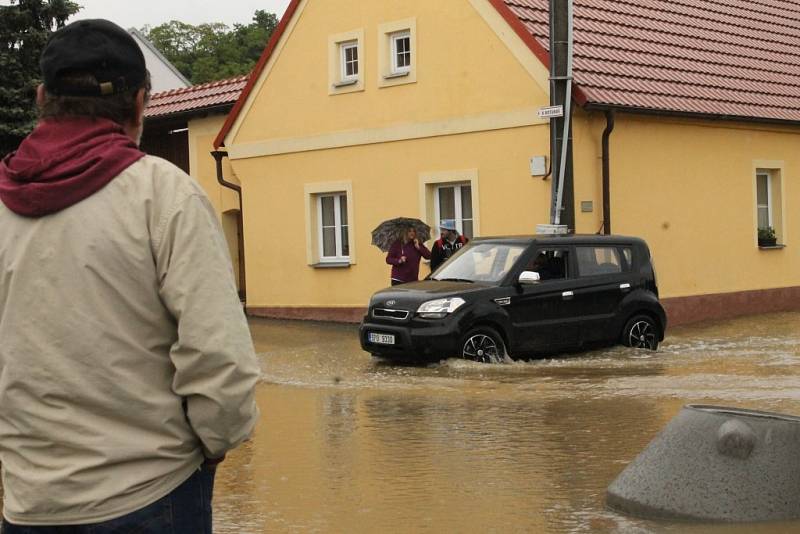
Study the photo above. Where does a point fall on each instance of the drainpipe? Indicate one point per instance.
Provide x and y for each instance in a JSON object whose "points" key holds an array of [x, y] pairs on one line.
{"points": [[218, 155], [607, 173]]}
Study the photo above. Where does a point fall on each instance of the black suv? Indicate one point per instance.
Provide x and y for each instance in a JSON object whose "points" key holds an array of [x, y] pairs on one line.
{"points": [[519, 296]]}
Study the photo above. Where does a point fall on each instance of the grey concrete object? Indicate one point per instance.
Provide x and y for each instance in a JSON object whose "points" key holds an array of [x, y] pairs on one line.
{"points": [[712, 463]]}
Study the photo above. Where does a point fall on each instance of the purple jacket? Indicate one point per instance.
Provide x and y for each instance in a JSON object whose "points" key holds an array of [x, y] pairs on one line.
{"points": [[407, 271]]}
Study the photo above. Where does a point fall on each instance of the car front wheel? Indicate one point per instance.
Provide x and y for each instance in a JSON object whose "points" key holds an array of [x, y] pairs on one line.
{"points": [[484, 345], [641, 332]]}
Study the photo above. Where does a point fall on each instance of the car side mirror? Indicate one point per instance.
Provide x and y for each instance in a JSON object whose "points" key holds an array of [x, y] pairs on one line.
{"points": [[528, 278]]}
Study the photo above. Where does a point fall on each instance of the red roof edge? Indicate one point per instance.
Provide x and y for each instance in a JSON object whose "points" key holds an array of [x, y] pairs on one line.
{"points": [[538, 50], [256, 73]]}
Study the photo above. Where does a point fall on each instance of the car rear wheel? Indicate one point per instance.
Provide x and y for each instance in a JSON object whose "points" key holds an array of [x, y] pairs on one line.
{"points": [[641, 332], [484, 345]]}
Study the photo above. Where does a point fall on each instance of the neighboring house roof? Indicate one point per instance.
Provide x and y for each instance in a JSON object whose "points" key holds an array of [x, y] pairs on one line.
{"points": [[222, 93], [164, 75], [736, 59], [733, 58]]}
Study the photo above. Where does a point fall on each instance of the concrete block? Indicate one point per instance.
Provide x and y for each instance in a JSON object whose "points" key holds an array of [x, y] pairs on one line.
{"points": [[712, 463]]}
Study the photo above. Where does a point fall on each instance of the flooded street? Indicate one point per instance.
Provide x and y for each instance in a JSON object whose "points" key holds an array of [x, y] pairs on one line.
{"points": [[351, 444]]}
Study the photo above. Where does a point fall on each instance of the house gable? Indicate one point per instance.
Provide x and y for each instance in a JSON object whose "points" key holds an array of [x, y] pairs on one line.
{"points": [[472, 73]]}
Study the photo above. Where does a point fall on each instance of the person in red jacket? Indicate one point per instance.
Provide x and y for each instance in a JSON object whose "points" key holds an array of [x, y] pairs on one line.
{"points": [[447, 245], [404, 257]]}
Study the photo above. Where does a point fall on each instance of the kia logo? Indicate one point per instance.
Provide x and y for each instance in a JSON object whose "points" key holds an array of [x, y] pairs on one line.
{"points": [[390, 302]]}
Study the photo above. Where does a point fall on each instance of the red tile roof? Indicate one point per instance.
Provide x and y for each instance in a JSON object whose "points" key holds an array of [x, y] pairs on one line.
{"points": [[196, 97], [734, 58]]}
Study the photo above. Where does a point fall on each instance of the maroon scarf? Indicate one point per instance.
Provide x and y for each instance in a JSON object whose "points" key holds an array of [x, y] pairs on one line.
{"points": [[62, 162]]}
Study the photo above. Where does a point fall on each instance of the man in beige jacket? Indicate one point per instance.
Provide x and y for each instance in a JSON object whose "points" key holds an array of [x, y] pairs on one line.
{"points": [[126, 364]]}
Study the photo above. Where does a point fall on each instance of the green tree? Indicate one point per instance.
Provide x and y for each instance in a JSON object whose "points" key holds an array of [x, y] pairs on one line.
{"points": [[25, 26], [214, 51]]}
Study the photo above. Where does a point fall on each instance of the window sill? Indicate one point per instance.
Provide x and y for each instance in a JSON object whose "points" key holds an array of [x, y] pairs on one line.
{"points": [[345, 83], [396, 75], [771, 247], [331, 265]]}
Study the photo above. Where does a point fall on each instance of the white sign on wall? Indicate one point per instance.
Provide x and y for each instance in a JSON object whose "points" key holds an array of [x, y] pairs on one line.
{"points": [[551, 111]]}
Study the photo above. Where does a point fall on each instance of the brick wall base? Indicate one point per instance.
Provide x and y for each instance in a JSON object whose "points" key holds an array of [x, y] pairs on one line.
{"points": [[685, 310]]}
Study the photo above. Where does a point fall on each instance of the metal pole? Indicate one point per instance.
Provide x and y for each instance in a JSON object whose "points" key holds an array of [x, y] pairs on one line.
{"points": [[562, 198]]}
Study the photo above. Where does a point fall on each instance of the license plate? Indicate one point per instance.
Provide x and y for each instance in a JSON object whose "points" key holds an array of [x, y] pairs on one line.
{"points": [[381, 339]]}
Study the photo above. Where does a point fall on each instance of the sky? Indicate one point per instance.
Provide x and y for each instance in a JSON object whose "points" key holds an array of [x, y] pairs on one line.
{"points": [[137, 13]]}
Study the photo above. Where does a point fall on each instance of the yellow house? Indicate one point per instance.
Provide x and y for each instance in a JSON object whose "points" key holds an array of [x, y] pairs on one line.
{"points": [[686, 133]]}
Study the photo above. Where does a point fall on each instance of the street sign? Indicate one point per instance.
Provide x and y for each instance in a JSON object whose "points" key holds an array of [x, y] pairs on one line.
{"points": [[552, 229], [551, 111]]}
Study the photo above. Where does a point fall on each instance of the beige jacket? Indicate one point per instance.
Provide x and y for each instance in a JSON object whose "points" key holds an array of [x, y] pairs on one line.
{"points": [[125, 355]]}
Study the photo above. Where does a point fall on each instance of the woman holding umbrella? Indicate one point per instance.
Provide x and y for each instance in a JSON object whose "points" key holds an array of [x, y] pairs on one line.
{"points": [[404, 256]]}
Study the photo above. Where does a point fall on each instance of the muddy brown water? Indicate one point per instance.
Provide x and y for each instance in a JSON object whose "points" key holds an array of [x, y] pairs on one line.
{"points": [[347, 443]]}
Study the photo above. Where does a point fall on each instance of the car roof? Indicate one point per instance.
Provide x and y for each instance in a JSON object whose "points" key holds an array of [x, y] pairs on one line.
{"points": [[569, 239]]}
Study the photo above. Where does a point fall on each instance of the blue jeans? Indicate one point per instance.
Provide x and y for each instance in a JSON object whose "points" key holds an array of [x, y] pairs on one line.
{"points": [[187, 510]]}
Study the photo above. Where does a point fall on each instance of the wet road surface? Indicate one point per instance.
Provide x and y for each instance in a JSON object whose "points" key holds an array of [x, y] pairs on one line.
{"points": [[347, 443]]}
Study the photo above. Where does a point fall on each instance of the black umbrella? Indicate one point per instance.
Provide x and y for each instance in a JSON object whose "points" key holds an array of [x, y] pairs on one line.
{"points": [[390, 231]]}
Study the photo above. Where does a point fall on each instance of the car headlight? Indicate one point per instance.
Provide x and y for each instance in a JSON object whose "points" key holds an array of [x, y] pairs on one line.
{"points": [[439, 308]]}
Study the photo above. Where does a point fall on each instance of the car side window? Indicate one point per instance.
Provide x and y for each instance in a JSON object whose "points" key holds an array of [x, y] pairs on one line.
{"points": [[593, 260], [628, 254], [551, 264]]}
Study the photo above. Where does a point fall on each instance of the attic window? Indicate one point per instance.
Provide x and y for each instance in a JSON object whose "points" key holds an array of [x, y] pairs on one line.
{"points": [[345, 62], [401, 52], [397, 53], [349, 60]]}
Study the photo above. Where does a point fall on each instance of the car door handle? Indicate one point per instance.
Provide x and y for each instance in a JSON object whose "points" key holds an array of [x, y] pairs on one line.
{"points": [[625, 287], [567, 295]]}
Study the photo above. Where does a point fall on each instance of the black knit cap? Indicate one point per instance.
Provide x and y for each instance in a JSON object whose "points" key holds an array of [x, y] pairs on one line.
{"points": [[97, 47]]}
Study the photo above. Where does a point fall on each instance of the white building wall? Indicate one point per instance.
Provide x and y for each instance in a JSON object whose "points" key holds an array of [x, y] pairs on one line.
{"points": [[163, 75]]}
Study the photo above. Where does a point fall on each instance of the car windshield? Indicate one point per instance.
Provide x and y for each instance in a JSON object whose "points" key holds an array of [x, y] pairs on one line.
{"points": [[480, 262]]}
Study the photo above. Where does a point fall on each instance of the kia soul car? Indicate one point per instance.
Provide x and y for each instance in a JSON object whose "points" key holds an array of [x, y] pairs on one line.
{"points": [[519, 297]]}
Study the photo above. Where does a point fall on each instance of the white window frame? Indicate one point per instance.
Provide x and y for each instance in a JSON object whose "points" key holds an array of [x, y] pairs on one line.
{"points": [[339, 82], [339, 257], [389, 72], [459, 215], [395, 38], [343, 61]]}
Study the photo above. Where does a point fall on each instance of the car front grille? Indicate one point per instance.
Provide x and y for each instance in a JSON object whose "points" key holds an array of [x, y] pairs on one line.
{"points": [[385, 313]]}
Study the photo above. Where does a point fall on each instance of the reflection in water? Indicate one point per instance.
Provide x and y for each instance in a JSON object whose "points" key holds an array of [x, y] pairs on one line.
{"points": [[352, 444]]}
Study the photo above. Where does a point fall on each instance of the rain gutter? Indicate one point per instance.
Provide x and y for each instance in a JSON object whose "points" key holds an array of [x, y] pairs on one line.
{"points": [[691, 115], [607, 172], [218, 155]]}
